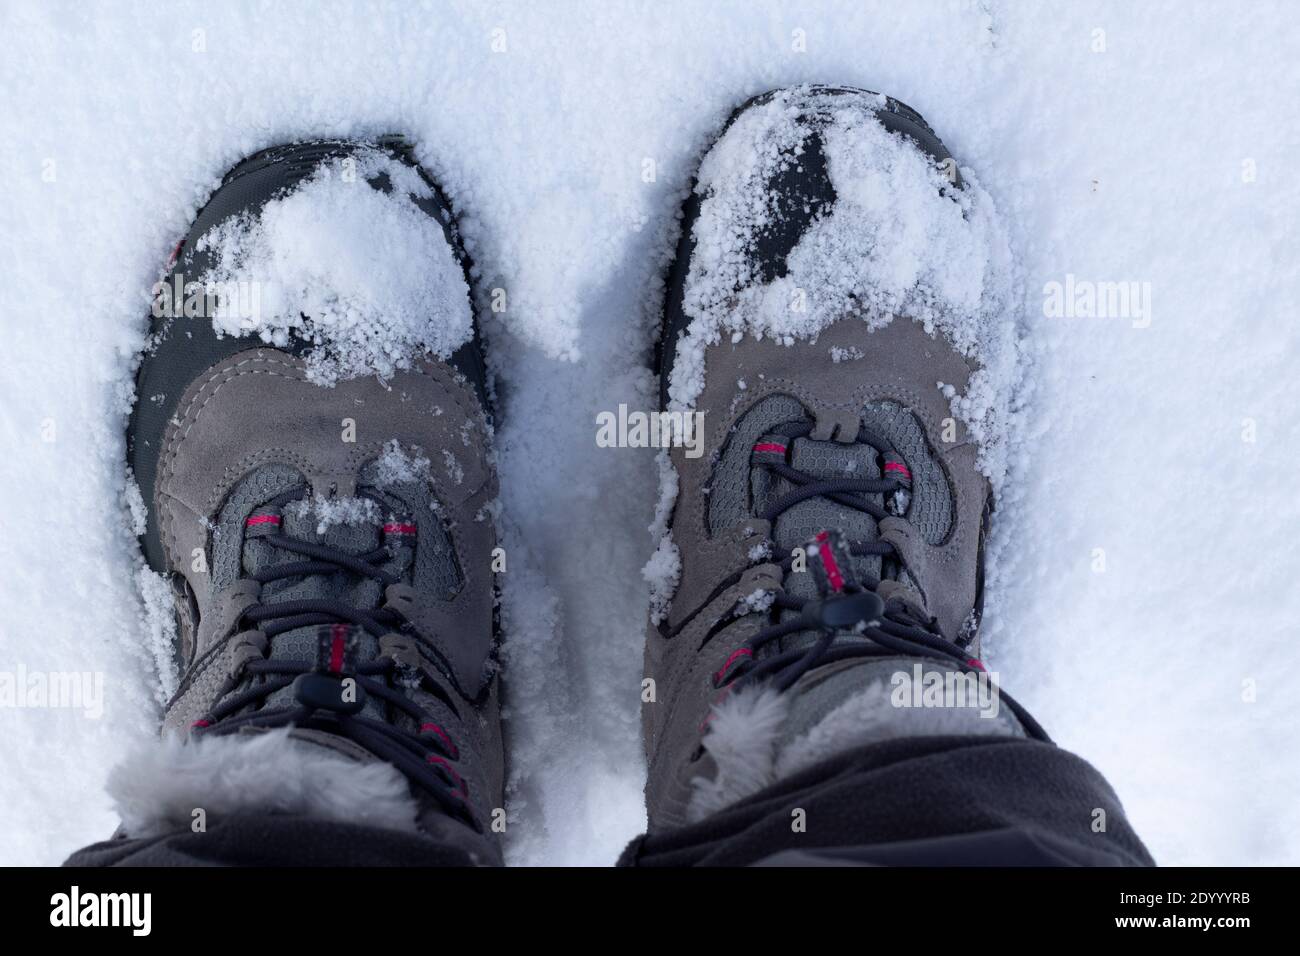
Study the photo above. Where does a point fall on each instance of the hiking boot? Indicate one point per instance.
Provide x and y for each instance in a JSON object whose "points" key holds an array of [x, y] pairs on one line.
{"points": [[834, 534], [328, 546]]}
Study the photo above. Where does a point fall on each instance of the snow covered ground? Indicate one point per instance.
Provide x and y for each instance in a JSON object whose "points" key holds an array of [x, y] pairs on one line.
{"points": [[1142, 575]]}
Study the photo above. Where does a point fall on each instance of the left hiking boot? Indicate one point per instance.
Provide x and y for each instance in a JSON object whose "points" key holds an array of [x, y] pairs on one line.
{"points": [[329, 549]]}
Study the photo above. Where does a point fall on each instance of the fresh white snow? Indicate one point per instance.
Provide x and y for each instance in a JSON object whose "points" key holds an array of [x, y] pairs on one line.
{"points": [[362, 272], [1142, 599]]}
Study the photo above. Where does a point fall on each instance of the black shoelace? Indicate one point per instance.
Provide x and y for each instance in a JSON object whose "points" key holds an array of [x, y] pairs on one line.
{"points": [[424, 756], [894, 626]]}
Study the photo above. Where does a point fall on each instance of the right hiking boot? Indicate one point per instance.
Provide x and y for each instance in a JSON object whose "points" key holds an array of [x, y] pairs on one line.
{"points": [[329, 552], [833, 535]]}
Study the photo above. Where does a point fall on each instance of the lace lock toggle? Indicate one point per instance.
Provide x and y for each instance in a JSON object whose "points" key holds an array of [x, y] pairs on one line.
{"points": [[845, 605], [332, 685], [848, 612]]}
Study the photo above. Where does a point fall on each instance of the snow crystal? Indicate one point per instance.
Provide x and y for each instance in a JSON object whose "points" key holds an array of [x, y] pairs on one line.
{"points": [[455, 471], [135, 506], [159, 618], [330, 512], [396, 466], [662, 571], [756, 602]]}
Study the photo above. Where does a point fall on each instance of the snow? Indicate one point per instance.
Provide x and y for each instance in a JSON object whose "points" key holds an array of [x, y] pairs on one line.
{"points": [[397, 466], [755, 602], [1141, 574], [333, 512], [363, 273], [663, 572]]}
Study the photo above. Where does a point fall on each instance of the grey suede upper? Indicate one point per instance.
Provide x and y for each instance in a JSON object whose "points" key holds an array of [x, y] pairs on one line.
{"points": [[254, 425], [901, 365]]}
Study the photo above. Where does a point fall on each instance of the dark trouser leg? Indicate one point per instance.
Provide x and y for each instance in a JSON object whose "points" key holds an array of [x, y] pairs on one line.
{"points": [[908, 801], [917, 801], [269, 840]]}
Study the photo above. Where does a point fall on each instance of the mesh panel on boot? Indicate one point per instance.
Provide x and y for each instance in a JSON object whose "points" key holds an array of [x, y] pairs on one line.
{"points": [[437, 572], [729, 485], [931, 508], [739, 491], [257, 488]]}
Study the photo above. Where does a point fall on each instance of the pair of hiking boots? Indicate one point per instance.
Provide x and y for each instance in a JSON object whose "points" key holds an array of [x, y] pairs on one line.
{"points": [[830, 531]]}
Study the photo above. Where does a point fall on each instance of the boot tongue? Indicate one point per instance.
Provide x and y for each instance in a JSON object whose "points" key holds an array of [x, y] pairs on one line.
{"points": [[821, 459], [799, 523]]}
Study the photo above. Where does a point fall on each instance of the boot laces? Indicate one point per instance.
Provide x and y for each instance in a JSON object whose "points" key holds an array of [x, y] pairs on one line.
{"points": [[424, 753], [850, 604]]}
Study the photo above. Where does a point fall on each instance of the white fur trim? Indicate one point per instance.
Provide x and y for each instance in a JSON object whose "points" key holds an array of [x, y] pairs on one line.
{"points": [[158, 786], [743, 738], [869, 715]]}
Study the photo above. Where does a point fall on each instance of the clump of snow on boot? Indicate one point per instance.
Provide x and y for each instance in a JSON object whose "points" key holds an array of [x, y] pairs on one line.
{"points": [[363, 274], [396, 465], [332, 512], [664, 569], [900, 240]]}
